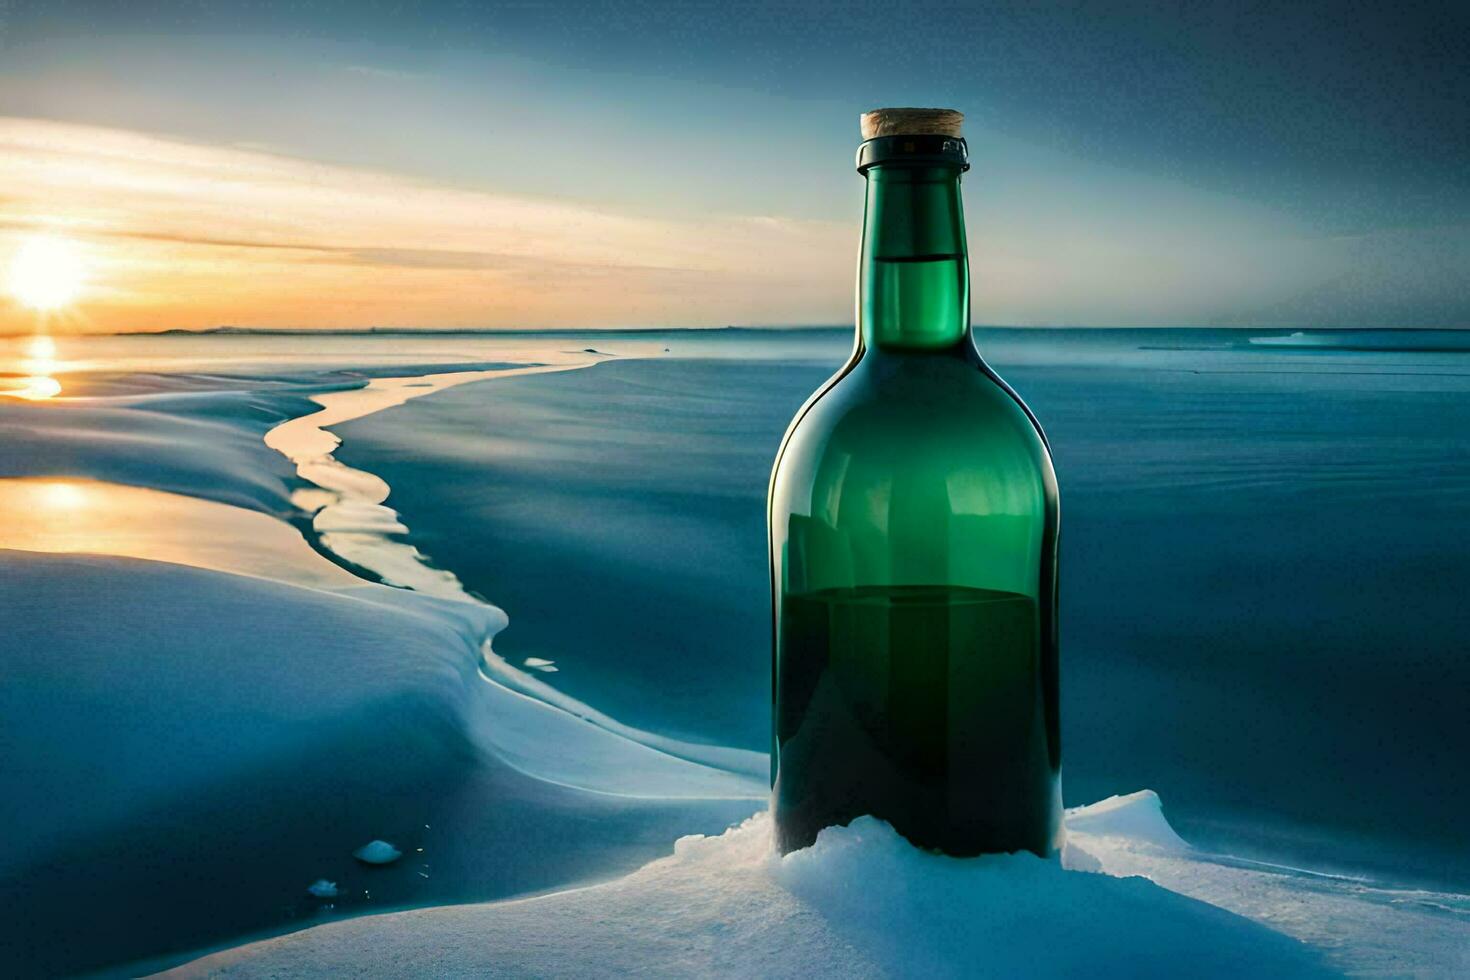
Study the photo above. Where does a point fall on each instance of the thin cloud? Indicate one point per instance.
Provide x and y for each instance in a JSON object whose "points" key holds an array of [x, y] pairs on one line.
{"points": [[375, 71], [178, 228]]}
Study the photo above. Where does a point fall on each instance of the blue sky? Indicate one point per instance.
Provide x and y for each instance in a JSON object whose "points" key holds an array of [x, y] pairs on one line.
{"points": [[1283, 165]]}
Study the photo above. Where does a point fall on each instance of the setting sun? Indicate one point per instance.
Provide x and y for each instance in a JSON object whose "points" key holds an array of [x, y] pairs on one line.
{"points": [[46, 273]]}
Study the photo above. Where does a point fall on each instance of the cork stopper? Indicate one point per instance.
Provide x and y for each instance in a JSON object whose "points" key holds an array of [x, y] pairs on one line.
{"points": [[912, 122]]}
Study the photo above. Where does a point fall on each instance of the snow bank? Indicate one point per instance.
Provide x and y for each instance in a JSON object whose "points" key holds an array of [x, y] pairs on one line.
{"points": [[205, 444], [138, 682], [861, 902], [242, 712], [166, 729], [1361, 927]]}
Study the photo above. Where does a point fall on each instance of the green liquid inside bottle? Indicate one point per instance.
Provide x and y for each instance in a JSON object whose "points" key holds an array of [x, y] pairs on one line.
{"points": [[913, 520]]}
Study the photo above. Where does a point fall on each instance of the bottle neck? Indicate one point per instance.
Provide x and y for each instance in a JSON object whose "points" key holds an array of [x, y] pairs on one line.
{"points": [[914, 277]]}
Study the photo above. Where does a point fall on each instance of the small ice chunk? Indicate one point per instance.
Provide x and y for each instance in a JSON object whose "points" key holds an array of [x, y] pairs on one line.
{"points": [[322, 888], [537, 663], [377, 852], [1136, 817]]}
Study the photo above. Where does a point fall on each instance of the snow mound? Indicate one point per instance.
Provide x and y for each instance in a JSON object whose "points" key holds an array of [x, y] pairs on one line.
{"points": [[861, 902]]}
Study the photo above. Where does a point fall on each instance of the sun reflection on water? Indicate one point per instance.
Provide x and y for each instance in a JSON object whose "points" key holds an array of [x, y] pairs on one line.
{"points": [[34, 388], [38, 367], [56, 495], [66, 515]]}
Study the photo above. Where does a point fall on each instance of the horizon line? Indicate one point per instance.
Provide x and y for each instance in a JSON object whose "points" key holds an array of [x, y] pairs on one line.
{"points": [[228, 330]]}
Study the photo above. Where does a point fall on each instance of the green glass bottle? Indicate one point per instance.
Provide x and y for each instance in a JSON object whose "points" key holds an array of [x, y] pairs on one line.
{"points": [[913, 531]]}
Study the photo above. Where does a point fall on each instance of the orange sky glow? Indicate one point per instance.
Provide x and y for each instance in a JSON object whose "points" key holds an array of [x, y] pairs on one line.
{"points": [[179, 235]]}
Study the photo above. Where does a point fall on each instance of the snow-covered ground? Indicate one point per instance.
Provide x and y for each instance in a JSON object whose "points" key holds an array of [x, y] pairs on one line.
{"points": [[1129, 898], [198, 702]]}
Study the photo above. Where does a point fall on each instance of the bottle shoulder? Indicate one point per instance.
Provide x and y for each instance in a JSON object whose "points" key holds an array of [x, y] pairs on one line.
{"points": [[907, 405], [914, 472]]}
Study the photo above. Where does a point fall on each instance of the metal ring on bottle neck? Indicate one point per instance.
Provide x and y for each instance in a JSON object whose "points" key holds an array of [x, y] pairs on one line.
{"points": [[919, 151]]}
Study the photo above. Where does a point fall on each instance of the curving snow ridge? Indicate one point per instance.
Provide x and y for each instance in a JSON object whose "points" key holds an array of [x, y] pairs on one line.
{"points": [[347, 504], [526, 722]]}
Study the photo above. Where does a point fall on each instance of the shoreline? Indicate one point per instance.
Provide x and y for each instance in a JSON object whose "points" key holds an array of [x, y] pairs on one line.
{"points": [[344, 513], [350, 523], [323, 710]]}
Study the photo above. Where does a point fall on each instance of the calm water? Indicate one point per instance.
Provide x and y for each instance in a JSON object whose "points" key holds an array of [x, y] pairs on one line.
{"points": [[1264, 558]]}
